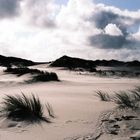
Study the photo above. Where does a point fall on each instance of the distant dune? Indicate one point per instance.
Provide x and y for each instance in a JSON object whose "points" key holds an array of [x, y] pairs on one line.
{"points": [[7, 61], [73, 63], [70, 62]]}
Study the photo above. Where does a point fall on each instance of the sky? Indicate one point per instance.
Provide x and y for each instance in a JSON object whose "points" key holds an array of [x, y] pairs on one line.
{"points": [[122, 4], [44, 30]]}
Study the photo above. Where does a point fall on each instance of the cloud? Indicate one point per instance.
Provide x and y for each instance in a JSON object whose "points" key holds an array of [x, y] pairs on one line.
{"points": [[103, 18], [106, 41], [124, 19], [40, 13], [9, 8], [45, 31], [112, 29], [115, 27]]}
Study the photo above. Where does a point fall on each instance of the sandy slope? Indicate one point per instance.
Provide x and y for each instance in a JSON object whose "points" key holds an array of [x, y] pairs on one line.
{"points": [[77, 109]]}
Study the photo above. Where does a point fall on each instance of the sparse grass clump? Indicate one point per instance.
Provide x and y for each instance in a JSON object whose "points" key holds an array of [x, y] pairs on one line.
{"points": [[50, 110], [136, 94], [130, 99], [23, 108], [104, 96], [125, 100]]}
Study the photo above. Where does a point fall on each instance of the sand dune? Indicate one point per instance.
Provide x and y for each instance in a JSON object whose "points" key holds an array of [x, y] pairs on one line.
{"points": [[76, 108]]}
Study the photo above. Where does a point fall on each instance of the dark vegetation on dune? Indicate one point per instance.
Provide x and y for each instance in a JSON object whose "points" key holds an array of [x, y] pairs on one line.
{"points": [[104, 96], [43, 77], [78, 64], [118, 73], [22, 70], [68, 62], [37, 75], [123, 99], [25, 108], [71, 62], [125, 113], [75, 64], [9, 61]]}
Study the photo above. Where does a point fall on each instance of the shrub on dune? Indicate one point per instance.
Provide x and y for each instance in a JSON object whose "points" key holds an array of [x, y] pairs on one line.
{"points": [[43, 77], [23, 108], [37, 74]]}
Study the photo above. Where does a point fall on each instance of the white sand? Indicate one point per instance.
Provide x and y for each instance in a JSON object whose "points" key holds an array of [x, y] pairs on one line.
{"points": [[73, 100]]}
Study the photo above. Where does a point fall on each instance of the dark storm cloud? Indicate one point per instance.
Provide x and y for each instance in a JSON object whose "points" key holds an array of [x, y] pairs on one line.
{"points": [[124, 22], [9, 8], [103, 18], [105, 41]]}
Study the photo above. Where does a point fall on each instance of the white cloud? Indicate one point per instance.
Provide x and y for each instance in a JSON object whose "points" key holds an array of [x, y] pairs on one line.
{"points": [[137, 35], [112, 29], [39, 12]]}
